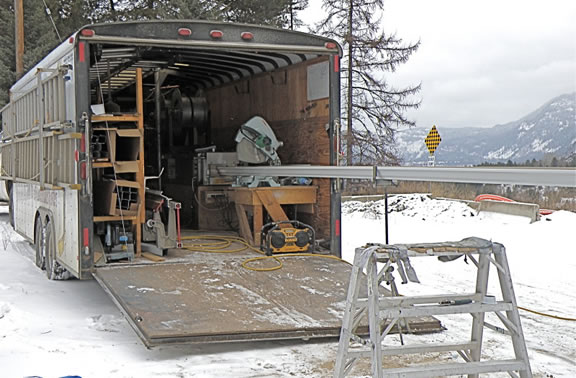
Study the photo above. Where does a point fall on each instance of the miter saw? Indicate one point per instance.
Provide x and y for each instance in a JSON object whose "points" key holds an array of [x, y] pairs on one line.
{"points": [[257, 144]]}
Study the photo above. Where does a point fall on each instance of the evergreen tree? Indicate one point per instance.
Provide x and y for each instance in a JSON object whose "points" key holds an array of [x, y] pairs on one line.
{"points": [[7, 49], [273, 13], [372, 108]]}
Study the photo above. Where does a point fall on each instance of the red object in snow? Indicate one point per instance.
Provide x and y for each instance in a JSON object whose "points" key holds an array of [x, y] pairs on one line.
{"points": [[494, 197]]}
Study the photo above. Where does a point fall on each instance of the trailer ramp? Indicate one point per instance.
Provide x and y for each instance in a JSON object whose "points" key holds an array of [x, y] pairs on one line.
{"points": [[214, 299]]}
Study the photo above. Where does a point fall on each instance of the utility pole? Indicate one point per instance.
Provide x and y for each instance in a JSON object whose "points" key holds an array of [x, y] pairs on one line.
{"points": [[19, 36]]}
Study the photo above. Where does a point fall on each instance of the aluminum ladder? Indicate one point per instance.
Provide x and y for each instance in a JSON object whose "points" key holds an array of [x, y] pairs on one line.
{"points": [[394, 309]]}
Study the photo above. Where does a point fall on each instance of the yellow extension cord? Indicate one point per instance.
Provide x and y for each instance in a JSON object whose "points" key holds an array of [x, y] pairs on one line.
{"points": [[220, 244], [547, 315]]}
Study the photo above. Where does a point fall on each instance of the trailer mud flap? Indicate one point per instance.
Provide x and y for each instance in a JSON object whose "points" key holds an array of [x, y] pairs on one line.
{"points": [[216, 300]]}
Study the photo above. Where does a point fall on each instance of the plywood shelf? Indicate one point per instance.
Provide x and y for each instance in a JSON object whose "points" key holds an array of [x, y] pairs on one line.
{"points": [[112, 218], [129, 162], [102, 164], [116, 118]]}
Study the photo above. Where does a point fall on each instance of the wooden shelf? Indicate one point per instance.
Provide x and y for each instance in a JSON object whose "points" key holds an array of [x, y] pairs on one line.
{"points": [[135, 166], [116, 118], [102, 164], [111, 218]]}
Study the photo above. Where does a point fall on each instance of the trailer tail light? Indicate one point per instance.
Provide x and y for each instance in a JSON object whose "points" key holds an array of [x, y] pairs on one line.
{"points": [[247, 36], [83, 170], [87, 33], [216, 34], [184, 32], [86, 240], [81, 52], [71, 40]]}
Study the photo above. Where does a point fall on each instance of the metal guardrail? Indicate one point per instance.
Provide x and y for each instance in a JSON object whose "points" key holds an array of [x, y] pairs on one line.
{"points": [[560, 177]]}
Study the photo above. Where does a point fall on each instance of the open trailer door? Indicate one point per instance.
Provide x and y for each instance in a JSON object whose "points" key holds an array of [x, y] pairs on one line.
{"points": [[215, 299]]}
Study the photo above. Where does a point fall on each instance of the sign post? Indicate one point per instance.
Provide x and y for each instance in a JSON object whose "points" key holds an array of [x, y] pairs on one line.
{"points": [[432, 141]]}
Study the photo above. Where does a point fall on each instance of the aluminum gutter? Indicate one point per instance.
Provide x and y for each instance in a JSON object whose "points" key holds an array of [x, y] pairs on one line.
{"points": [[561, 177]]}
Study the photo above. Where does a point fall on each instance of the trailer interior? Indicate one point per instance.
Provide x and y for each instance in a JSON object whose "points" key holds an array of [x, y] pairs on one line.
{"points": [[194, 101]]}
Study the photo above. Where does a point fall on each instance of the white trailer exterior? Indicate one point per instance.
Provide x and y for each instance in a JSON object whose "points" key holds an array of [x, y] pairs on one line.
{"points": [[43, 178]]}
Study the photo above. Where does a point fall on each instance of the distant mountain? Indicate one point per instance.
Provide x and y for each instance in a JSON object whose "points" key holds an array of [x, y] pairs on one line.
{"points": [[551, 129]]}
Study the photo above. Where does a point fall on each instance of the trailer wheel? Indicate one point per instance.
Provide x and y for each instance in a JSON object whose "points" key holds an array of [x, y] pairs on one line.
{"points": [[54, 271], [39, 244], [10, 204], [50, 249]]}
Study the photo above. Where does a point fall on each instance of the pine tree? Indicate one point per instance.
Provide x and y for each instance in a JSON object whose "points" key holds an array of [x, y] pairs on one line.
{"points": [[280, 13], [372, 108], [7, 48]]}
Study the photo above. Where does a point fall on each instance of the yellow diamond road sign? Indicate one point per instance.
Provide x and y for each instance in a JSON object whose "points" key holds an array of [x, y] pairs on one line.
{"points": [[433, 140]]}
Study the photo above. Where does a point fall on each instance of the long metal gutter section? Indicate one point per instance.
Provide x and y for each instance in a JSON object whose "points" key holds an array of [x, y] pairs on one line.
{"points": [[560, 177]]}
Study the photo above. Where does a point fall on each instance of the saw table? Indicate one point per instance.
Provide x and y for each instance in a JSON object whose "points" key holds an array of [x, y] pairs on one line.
{"points": [[256, 200]]}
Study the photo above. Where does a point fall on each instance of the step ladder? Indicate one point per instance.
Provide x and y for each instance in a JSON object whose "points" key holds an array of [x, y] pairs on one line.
{"points": [[394, 309]]}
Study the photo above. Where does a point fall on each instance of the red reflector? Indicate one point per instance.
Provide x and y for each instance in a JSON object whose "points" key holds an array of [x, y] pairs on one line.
{"points": [[87, 32], [216, 34], [82, 144], [184, 32], [71, 40], [76, 155], [337, 227], [81, 57], [86, 237], [247, 36], [330, 45], [83, 170], [336, 63]]}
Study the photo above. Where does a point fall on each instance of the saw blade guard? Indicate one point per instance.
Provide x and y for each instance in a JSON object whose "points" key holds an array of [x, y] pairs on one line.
{"points": [[257, 143]]}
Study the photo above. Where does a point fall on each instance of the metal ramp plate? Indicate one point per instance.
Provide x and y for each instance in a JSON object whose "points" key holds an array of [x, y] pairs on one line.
{"points": [[214, 299]]}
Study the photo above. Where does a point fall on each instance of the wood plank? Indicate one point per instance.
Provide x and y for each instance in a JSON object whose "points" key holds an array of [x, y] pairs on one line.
{"points": [[140, 172], [245, 231], [102, 164], [257, 220], [272, 206], [152, 257], [115, 118], [284, 195], [112, 218]]}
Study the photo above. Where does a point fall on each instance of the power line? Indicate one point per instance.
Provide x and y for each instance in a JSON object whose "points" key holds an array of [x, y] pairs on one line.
{"points": [[51, 19]]}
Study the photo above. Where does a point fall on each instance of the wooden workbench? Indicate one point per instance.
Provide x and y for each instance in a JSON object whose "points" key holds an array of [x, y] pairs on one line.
{"points": [[270, 199]]}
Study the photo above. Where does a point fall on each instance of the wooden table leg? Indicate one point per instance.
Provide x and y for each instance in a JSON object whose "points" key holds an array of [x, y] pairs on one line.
{"points": [[245, 231], [258, 219]]}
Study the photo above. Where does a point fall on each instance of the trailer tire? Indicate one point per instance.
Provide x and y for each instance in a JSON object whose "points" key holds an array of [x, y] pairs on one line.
{"points": [[10, 204], [39, 244], [50, 249], [54, 271]]}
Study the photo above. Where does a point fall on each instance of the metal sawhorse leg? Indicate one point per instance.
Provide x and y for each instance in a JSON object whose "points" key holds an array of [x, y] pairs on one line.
{"points": [[379, 309]]}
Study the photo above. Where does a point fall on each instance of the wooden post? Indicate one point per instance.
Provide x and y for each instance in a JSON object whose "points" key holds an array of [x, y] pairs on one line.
{"points": [[19, 36], [141, 218]]}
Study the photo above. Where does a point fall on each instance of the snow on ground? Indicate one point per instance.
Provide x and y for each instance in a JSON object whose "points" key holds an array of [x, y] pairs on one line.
{"points": [[59, 328]]}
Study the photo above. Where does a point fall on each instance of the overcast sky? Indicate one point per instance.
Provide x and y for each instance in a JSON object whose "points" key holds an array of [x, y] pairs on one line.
{"points": [[482, 62]]}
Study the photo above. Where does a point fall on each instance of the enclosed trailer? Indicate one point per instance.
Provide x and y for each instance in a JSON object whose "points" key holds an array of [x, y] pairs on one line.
{"points": [[121, 120]]}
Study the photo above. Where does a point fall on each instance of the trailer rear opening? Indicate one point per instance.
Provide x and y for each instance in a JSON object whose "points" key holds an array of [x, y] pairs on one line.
{"points": [[112, 148]]}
